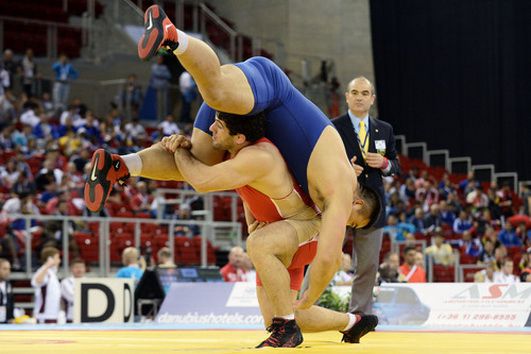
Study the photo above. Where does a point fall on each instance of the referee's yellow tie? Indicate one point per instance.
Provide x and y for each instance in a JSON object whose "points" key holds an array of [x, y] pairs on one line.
{"points": [[364, 141]]}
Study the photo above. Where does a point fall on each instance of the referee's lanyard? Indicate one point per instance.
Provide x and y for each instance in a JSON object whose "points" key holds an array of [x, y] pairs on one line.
{"points": [[365, 141]]}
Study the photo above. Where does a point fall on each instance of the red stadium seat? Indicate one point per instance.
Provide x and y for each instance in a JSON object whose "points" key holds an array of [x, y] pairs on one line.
{"points": [[443, 274]]}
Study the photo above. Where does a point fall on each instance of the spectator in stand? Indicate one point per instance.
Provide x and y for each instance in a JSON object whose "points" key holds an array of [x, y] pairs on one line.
{"points": [[453, 203], [467, 185], [484, 222], [47, 104], [500, 253], [494, 202], [31, 114], [408, 190], [433, 220], [164, 258], [397, 230], [134, 265], [412, 272], [233, 271], [469, 245], [441, 251], [78, 270], [508, 236], [462, 223], [47, 287], [445, 186], [505, 275], [388, 272], [29, 73], [188, 90], [487, 254], [135, 131], [160, 81], [131, 97], [506, 200], [7, 300], [139, 197], [477, 198], [419, 260], [525, 261], [168, 126], [8, 247], [11, 66], [491, 234], [486, 275], [418, 220], [64, 74], [431, 194], [522, 232], [344, 275]]}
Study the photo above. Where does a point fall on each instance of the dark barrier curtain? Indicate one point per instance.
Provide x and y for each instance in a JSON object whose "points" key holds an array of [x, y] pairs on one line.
{"points": [[457, 74]]}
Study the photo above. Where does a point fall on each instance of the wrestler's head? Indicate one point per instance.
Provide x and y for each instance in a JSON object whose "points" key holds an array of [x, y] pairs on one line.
{"points": [[365, 208], [231, 131]]}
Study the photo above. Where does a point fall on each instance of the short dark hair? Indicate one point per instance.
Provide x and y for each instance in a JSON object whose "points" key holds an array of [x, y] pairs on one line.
{"points": [[48, 252], [252, 126], [372, 207], [77, 261], [409, 248]]}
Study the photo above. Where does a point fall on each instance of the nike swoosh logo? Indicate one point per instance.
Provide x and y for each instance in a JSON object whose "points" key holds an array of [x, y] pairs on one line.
{"points": [[93, 173], [150, 22]]}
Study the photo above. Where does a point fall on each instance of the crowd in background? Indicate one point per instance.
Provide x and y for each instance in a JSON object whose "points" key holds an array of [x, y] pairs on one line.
{"points": [[46, 141]]}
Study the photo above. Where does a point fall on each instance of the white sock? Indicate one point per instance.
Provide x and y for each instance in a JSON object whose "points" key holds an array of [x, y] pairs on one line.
{"points": [[291, 316], [352, 319], [133, 163], [183, 42]]}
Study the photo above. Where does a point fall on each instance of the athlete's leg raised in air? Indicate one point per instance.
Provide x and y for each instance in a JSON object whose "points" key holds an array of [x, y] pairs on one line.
{"points": [[153, 162], [224, 88]]}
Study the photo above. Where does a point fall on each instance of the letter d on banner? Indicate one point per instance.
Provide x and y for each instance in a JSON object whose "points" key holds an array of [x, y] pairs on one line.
{"points": [[103, 300]]}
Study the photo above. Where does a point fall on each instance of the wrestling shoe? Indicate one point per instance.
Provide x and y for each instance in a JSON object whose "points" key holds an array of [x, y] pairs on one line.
{"points": [[365, 324], [105, 171], [284, 334], [159, 31]]}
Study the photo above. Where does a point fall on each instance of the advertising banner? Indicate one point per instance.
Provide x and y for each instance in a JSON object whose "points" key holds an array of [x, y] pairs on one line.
{"points": [[454, 304], [108, 300], [222, 305]]}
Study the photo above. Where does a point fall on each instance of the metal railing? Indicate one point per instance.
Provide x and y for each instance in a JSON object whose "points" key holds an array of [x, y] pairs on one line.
{"points": [[105, 239]]}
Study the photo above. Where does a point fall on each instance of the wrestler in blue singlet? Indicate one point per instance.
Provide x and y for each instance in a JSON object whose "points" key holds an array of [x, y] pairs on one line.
{"points": [[294, 123]]}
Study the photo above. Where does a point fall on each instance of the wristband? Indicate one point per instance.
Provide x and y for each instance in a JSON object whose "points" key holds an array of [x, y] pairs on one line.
{"points": [[385, 164]]}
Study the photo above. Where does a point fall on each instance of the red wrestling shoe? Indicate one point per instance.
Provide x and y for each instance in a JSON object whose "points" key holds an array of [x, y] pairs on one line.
{"points": [[105, 171], [284, 334], [366, 324], [159, 31]]}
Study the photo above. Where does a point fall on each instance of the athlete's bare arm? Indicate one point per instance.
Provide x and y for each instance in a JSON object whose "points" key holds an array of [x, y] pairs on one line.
{"points": [[248, 166], [330, 177]]}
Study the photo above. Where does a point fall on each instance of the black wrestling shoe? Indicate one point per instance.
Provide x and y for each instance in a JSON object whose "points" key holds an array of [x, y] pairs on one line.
{"points": [[366, 324], [284, 334]]}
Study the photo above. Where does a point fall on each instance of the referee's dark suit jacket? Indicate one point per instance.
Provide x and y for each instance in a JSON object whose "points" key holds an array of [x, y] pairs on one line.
{"points": [[372, 177], [10, 303]]}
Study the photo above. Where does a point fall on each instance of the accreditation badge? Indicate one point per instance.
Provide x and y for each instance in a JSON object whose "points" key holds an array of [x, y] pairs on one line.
{"points": [[380, 147]]}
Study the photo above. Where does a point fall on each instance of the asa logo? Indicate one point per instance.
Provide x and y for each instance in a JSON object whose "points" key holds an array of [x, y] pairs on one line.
{"points": [[495, 291]]}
